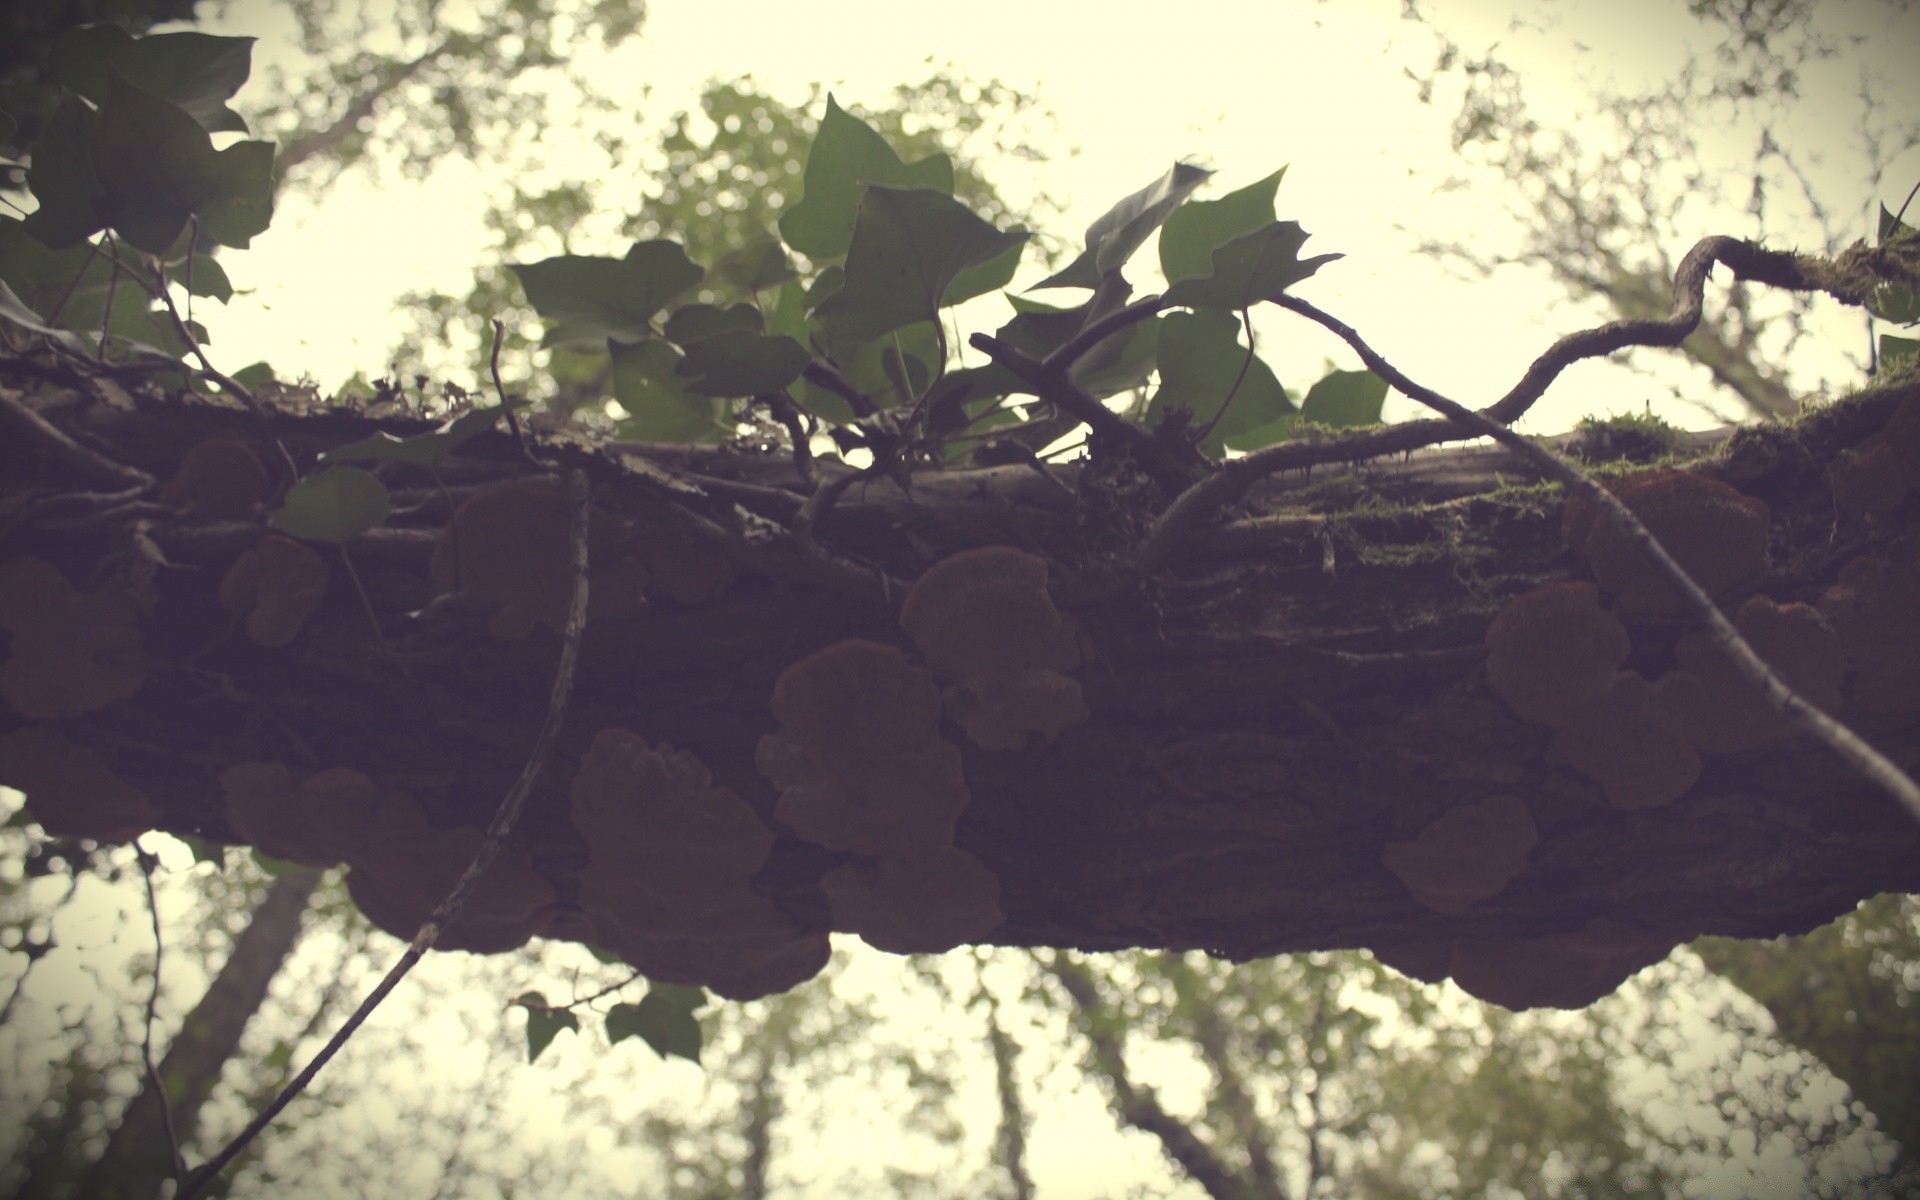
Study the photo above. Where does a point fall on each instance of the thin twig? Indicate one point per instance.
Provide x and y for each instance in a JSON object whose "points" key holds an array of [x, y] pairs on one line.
{"points": [[1876, 767], [826, 375], [1233, 477], [449, 910], [500, 390], [82, 459], [159, 1089], [1059, 388]]}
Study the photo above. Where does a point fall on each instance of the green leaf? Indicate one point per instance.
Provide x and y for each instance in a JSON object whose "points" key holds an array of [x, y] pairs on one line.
{"points": [[996, 272], [847, 155], [756, 266], [663, 1019], [1200, 359], [691, 322], [962, 395], [334, 505], [1893, 227], [275, 867], [1253, 267], [742, 362], [1345, 399], [1894, 349], [62, 178], [206, 277], [196, 71], [1124, 228], [205, 851], [142, 166], [586, 299], [647, 383], [544, 1023], [866, 368], [1198, 226], [1115, 364], [12, 310], [423, 449], [255, 375], [908, 248]]}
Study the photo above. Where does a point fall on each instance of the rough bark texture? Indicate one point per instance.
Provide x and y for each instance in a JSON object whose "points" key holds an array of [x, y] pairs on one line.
{"points": [[1301, 684]]}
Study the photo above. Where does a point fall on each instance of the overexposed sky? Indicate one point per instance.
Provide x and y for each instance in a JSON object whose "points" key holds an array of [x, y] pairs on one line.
{"points": [[1243, 87]]}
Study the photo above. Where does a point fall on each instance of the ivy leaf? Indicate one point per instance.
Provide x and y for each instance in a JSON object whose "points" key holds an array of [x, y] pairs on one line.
{"points": [[962, 395], [848, 154], [1115, 364], [196, 71], [691, 322], [756, 266], [1345, 399], [1253, 267], [908, 248], [205, 851], [1197, 227], [647, 383], [543, 1023], [1893, 349], [335, 505], [423, 449], [157, 167], [586, 299], [997, 272], [1200, 358], [1124, 228], [663, 1020], [866, 369], [62, 178], [11, 309], [742, 362]]}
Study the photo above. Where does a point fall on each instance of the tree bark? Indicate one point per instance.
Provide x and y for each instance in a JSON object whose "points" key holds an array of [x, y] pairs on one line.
{"points": [[1300, 684], [136, 1157]]}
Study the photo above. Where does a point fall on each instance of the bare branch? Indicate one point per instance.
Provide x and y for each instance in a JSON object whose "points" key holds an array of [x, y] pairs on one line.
{"points": [[502, 824], [1875, 766]]}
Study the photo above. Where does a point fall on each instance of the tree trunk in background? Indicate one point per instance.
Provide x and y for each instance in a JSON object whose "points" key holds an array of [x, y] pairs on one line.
{"points": [[136, 1158]]}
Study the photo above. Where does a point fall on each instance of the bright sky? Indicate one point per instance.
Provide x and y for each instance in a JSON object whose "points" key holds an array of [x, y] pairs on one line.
{"points": [[1244, 87]]}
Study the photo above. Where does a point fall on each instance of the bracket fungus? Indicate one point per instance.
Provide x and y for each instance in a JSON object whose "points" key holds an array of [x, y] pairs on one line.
{"points": [[1718, 534], [1875, 476], [316, 822], [401, 865], [1465, 855], [1631, 739], [669, 886], [925, 902], [72, 652], [1875, 609], [672, 854], [217, 480], [858, 756], [1796, 642], [70, 791], [983, 619], [1565, 970], [274, 587], [1553, 649], [509, 544]]}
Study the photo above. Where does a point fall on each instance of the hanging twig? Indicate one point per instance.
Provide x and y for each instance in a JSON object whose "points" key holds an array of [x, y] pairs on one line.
{"points": [[1875, 766], [159, 1089], [449, 910]]}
